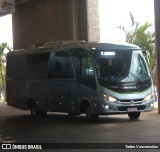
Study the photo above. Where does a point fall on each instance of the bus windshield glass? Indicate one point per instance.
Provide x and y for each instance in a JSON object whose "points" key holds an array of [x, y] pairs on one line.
{"points": [[121, 66]]}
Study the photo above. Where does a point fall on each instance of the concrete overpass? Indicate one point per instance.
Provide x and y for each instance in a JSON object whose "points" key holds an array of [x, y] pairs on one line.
{"points": [[37, 21]]}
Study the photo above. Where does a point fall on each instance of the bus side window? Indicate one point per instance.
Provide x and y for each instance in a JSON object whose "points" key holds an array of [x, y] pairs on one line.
{"points": [[51, 65], [82, 63], [87, 67], [60, 65], [83, 67]]}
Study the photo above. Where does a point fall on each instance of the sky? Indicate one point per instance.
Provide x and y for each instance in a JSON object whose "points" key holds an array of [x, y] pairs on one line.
{"points": [[112, 14], [6, 30], [116, 12]]}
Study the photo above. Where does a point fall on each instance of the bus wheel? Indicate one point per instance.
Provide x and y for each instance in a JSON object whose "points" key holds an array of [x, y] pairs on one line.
{"points": [[134, 115], [35, 112], [90, 116]]}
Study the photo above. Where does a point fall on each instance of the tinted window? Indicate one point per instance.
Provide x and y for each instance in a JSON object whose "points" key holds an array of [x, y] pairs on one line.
{"points": [[124, 66], [60, 65], [87, 67], [28, 66], [83, 67]]}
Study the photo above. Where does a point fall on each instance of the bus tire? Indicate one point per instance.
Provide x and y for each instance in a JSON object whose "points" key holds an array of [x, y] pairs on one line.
{"points": [[35, 112], [134, 115], [90, 116], [33, 109], [41, 113]]}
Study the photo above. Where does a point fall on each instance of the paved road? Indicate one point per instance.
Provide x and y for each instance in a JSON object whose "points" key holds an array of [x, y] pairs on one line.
{"points": [[18, 126]]}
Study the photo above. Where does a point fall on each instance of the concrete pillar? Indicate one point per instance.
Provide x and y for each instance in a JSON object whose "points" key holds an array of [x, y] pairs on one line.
{"points": [[79, 19], [157, 32], [93, 20]]}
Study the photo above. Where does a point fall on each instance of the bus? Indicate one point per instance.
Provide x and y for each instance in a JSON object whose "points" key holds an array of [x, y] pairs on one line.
{"points": [[78, 77]]}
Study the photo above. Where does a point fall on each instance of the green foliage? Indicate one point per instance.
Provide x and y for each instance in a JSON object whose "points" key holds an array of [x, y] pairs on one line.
{"points": [[1, 86], [2, 79], [140, 35], [3, 47]]}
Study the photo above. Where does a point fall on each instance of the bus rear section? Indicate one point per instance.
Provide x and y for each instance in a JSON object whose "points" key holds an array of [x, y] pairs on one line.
{"points": [[42, 81]]}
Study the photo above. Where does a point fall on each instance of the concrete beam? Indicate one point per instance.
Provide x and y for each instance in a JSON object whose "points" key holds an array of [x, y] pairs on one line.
{"points": [[157, 31]]}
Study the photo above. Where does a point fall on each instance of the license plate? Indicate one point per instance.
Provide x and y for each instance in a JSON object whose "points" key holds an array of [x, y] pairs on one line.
{"points": [[133, 109]]}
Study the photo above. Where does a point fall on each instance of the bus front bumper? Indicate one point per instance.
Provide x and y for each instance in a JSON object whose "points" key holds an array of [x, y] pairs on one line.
{"points": [[124, 108]]}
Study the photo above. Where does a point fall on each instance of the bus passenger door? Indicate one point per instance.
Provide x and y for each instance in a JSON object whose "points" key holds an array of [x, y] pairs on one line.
{"points": [[85, 73]]}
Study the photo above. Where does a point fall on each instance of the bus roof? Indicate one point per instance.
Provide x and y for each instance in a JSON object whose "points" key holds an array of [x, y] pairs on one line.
{"points": [[97, 45], [112, 46], [78, 44]]}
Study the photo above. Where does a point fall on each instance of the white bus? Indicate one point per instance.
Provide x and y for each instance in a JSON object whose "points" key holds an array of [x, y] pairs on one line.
{"points": [[80, 77]]}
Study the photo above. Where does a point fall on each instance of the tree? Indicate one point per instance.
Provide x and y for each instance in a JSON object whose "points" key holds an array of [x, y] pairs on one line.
{"points": [[3, 47], [141, 35]]}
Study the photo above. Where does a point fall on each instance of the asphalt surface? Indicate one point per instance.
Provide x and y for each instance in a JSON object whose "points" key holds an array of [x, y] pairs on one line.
{"points": [[17, 126]]}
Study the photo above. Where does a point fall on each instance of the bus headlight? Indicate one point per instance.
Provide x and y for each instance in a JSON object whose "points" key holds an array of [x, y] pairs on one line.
{"points": [[148, 97], [108, 97]]}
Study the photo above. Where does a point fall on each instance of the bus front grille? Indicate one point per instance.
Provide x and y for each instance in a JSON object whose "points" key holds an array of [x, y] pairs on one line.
{"points": [[137, 100], [125, 108]]}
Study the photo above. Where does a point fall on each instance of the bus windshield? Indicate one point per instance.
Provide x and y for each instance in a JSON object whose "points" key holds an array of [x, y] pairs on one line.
{"points": [[121, 66]]}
